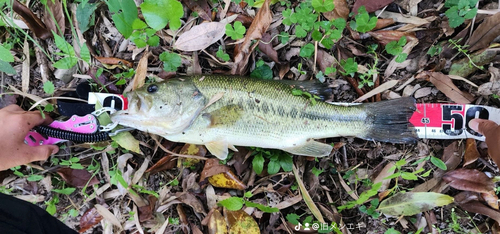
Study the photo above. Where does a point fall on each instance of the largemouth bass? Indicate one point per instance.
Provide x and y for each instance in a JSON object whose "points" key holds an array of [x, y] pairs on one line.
{"points": [[221, 112]]}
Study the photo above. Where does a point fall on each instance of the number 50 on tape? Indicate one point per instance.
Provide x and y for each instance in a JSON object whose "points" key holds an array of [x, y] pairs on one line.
{"points": [[450, 121]]}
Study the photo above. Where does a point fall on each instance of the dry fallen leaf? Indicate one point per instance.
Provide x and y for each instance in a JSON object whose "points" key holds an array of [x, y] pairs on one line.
{"points": [[487, 31], [491, 198], [141, 72], [240, 222], [77, 177], [190, 149], [469, 180], [371, 5], [55, 8], [341, 10], [493, 86], [480, 208], [386, 36], [471, 154], [167, 162], [259, 26], [445, 85], [89, 219], [220, 175], [116, 62], [199, 6], [202, 36], [33, 22], [217, 223]]}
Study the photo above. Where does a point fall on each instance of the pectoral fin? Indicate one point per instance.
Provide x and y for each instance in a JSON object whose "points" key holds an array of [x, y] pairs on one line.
{"points": [[311, 148], [218, 148]]}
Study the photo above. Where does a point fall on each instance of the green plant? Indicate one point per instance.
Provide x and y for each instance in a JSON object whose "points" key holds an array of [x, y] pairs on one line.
{"points": [[141, 189], [459, 11], [392, 231], [435, 50], [262, 71], [307, 50], [235, 32], [69, 58], [73, 163], [171, 61], [363, 197], [372, 210], [363, 22], [403, 174], [51, 205], [284, 37], [436, 161], [317, 171], [396, 48], [349, 66], [122, 77], [464, 51], [311, 97], [48, 87], [306, 20], [236, 203], [157, 14], [277, 160], [6, 58], [222, 54], [367, 78]]}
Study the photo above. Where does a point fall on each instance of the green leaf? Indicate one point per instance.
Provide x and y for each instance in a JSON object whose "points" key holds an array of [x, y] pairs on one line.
{"points": [[222, 55], [48, 108], [408, 176], [51, 208], [171, 61], [154, 41], [233, 203], [363, 22], [258, 163], [413, 203], [438, 163], [236, 32], [5, 54], [401, 57], [35, 178], [48, 87], [85, 15], [300, 32], [63, 45], [286, 161], [392, 231], [323, 5], [158, 13], [248, 194], [393, 48], [125, 13], [350, 66], [262, 72], [471, 14], [307, 50], [454, 19], [66, 62], [7, 68], [330, 70], [284, 37], [261, 207], [66, 191], [85, 53], [317, 171], [293, 218], [273, 167]]}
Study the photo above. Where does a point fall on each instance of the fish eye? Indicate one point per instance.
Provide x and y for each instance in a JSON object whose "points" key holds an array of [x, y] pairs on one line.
{"points": [[152, 88]]}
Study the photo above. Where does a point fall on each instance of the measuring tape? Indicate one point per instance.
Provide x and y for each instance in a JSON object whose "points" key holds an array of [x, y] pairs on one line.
{"points": [[450, 121], [431, 120]]}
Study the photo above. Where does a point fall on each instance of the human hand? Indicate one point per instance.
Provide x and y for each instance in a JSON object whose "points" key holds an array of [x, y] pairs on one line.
{"points": [[15, 123], [491, 131]]}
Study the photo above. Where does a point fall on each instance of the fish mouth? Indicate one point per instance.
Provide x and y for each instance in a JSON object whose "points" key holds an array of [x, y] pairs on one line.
{"points": [[137, 106]]}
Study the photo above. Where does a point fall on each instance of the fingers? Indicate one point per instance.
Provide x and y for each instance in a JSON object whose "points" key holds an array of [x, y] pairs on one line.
{"points": [[483, 126], [37, 153]]}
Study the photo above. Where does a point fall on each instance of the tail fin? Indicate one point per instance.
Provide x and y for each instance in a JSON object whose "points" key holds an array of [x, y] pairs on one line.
{"points": [[390, 121]]}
